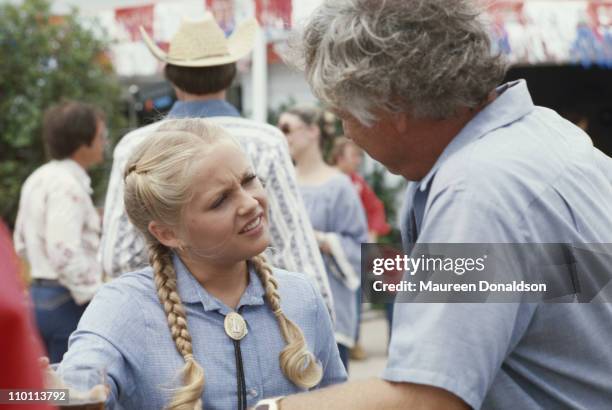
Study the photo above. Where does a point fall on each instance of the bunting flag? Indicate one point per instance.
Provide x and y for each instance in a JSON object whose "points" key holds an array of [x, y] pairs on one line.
{"points": [[131, 18], [527, 31], [224, 12], [553, 32], [274, 15]]}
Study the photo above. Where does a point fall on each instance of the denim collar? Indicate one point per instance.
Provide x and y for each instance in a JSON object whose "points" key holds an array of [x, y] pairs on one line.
{"points": [[513, 102], [191, 291], [203, 108]]}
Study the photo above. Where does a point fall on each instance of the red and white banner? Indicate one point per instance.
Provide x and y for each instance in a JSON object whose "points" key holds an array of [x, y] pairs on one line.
{"points": [[224, 12], [554, 32], [132, 18], [274, 14]]}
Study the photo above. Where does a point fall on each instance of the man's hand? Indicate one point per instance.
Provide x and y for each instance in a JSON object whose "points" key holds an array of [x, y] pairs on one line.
{"points": [[322, 242], [375, 394]]}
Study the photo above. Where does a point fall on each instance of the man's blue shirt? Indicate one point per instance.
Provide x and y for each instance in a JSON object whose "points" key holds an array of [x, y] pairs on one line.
{"points": [[516, 173], [202, 108]]}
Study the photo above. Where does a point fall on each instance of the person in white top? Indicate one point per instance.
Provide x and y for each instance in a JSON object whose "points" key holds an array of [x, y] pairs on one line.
{"points": [[200, 77], [58, 229]]}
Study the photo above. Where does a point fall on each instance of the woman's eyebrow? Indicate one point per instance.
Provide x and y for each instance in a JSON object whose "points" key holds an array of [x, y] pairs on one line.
{"points": [[229, 189], [247, 174]]}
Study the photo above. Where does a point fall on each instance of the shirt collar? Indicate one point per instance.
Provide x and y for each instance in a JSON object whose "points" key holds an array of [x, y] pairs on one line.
{"points": [[203, 108], [512, 103], [78, 172], [190, 290]]}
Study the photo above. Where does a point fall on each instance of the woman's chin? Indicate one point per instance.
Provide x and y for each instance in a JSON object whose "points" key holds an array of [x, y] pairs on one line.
{"points": [[260, 245]]}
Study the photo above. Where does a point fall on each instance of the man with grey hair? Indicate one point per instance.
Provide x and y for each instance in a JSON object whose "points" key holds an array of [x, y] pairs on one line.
{"points": [[416, 85]]}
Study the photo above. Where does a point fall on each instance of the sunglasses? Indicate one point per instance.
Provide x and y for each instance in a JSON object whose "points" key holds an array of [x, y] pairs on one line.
{"points": [[286, 128]]}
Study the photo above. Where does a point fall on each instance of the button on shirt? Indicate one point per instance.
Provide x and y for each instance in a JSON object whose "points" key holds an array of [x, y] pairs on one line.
{"points": [[125, 330], [58, 229], [516, 173]]}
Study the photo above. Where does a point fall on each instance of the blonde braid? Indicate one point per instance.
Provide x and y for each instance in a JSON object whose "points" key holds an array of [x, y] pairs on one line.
{"points": [[189, 396], [297, 363]]}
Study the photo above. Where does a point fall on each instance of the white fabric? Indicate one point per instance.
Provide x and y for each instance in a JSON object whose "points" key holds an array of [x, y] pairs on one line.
{"points": [[342, 267], [58, 229]]}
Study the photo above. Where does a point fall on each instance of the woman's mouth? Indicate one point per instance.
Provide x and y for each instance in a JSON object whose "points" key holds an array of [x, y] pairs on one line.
{"points": [[254, 224]]}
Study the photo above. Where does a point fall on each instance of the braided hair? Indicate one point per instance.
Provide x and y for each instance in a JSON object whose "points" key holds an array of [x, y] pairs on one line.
{"points": [[157, 187], [297, 363]]}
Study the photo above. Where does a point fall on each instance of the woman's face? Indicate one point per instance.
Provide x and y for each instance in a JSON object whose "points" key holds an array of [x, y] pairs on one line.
{"points": [[350, 159], [226, 220], [300, 137]]}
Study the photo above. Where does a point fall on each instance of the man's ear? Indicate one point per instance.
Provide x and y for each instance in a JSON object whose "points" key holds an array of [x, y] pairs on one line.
{"points": [[164, 234]]}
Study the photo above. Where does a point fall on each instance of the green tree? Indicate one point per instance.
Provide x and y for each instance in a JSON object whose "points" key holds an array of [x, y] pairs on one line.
{"points": [[43, 60], [389, 197]]}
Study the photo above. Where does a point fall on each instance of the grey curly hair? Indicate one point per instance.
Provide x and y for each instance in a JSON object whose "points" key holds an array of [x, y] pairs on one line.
{"points": [[424, 57]]}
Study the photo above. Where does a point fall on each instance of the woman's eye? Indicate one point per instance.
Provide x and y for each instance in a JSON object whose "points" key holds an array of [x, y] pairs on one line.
{"points": [[249, 179], [218, 202]]}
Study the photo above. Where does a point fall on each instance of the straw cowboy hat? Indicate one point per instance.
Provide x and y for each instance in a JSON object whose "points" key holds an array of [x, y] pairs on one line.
{"points": [[203, 44]]}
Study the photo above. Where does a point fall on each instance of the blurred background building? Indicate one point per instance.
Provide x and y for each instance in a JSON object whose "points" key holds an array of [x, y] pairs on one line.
{"points": [[562, 47]]}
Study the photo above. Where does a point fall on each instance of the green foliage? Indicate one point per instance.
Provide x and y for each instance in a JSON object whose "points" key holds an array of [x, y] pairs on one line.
{"points": [[388, 195], [274, 114], [44, 59]]}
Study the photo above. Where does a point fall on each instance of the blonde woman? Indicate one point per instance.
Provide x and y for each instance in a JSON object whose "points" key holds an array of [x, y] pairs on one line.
{"points": [[210, 324]]}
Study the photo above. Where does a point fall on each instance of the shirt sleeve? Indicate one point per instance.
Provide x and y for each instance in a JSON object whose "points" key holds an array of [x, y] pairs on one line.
{"points": [[294, 247], [375, 211], [458, 347], [66, 216], [349, 223], [122, 247], [18, 239], [605, 164], [109, 336]]}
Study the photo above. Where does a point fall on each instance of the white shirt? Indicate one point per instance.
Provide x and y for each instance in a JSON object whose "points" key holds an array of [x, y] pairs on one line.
{"points": [[293, 244], [58, 229]]}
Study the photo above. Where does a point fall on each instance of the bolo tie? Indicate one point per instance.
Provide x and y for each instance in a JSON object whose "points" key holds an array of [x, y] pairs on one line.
{"points": [[236, 329]]}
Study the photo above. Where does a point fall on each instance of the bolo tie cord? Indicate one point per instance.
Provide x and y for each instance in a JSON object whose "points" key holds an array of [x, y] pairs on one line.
{"points": [[236, 328], [242, 403], [242, 400]]}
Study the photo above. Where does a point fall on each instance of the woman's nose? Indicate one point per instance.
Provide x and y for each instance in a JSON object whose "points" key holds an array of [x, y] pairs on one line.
{"points": [[248, 203]]}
